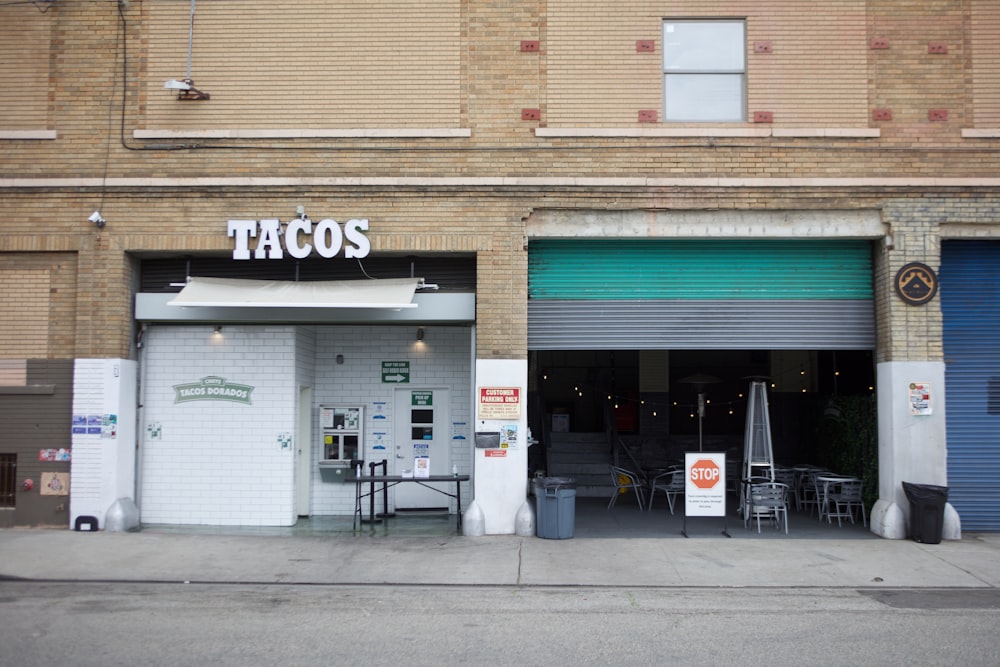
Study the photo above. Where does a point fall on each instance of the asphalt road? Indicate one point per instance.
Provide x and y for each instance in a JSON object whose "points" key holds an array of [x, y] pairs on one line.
{"points": [[152, 624]]}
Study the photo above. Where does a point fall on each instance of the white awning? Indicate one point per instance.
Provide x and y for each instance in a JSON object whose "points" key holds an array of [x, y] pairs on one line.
{"points": [[392, 293]]}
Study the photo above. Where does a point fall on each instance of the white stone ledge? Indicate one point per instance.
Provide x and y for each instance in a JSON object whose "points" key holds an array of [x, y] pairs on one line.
{"points": [[981, 134], [757, 131], [28, 134], [320, 133], [497, 181]]}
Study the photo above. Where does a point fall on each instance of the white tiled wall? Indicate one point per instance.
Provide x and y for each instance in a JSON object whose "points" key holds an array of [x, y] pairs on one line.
{"points": [[217, 462], [442, 360], [222, 463]]}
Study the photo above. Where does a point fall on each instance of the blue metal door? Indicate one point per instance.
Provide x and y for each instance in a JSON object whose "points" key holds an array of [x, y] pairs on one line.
{"points": [[970, 304]]}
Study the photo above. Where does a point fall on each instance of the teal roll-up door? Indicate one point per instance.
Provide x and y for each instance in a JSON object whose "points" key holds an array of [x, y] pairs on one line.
{"points": [[970, 304], [700, 294]]}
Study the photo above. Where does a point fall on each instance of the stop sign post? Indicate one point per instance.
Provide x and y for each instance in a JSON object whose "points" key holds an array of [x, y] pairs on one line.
{"points": [[705, 486]]}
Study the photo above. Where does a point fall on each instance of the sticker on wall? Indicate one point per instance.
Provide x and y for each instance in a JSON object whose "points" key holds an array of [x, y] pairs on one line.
{"points": [[213, 388], [79, 424], [95, 424], [154, 430], [379, 440], [508, 436], [458, 430], [54, 455], [109, 426], [920, 398], [378, 410], [54, 484]]}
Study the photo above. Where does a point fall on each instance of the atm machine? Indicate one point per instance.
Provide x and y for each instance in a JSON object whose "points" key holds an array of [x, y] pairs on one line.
{"points": [[342, 433]]}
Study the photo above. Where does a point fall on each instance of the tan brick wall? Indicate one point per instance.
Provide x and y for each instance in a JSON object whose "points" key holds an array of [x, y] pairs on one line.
{"points": [[815, 76], [910, 81], [821, 72], [984, 37], [313, 64], [38, 299], [919, 225], [25, 49], [485, 221]]}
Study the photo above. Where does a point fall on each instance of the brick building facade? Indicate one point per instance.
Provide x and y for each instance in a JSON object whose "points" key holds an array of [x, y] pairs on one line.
{"points": [[463, 133]]}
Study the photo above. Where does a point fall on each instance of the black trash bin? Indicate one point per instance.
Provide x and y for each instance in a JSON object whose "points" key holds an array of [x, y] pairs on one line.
{"points": [[555, 507], [926, 511]]}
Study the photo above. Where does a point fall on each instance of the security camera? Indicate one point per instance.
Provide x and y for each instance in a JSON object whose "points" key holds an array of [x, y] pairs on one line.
{"points": [[96, 218], [174, 84]]}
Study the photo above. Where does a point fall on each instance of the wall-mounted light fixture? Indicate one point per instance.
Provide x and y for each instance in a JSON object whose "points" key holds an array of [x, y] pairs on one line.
{"points": [[218, 329], [96, 218], [300, 211], [186, 90], [340, 358], [185, 87], [420, 333]]}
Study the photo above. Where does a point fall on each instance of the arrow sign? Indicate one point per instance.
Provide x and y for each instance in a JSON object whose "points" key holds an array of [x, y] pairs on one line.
{"points": [[396, 372]]}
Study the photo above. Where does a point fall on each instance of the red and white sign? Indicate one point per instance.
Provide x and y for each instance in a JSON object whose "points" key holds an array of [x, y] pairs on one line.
{"points": [[499, 402], [705, 474], [495, 453], [705, 488]]}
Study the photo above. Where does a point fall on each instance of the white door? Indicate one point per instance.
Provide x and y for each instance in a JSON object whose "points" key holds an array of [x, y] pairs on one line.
{"points": [[303, 452], [421, 430]]}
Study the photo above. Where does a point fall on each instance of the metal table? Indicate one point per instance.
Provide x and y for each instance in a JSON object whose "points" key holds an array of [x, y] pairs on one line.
{"points": [[389, 481]]}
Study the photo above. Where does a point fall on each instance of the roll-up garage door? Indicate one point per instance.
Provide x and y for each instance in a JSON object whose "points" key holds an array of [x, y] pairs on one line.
{"points": [[699, 294], [970, 304]]}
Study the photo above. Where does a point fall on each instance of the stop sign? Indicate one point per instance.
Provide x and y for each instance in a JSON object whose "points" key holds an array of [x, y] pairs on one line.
{"points": [[705, 473]]}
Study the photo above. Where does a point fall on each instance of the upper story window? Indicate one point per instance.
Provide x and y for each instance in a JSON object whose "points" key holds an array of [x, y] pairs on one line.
{"points": [[704, 70]]}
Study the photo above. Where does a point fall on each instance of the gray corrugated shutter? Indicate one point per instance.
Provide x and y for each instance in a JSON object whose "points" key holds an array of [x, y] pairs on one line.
{"points": [[658, 294], [970, 303]]}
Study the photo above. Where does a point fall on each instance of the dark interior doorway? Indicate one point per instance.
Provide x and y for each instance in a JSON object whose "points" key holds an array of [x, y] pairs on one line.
{"points": [[653, 395]]}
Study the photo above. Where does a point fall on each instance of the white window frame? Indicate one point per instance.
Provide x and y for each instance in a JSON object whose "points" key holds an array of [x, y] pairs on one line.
{"points": [[721, 74]]}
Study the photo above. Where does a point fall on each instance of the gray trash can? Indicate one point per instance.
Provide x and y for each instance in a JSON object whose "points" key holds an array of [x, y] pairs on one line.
{"points": [[926, 511], [555, 507]]}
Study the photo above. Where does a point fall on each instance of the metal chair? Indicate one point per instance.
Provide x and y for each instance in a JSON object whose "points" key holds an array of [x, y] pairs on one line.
{"points": [[847, 498], [769, 501], [811, 492], [623, 480], [671, 483], [733, 466]]}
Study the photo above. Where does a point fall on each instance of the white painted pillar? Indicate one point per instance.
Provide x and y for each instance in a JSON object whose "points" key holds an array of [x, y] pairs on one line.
{"points": [[912, 447], [501, 476], [102, 468]]}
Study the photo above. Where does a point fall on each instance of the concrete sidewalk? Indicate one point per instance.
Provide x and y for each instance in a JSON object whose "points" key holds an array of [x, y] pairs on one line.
{"points": [[162, 556]]}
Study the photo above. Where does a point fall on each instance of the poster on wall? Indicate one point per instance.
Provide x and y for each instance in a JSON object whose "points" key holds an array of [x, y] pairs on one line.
{"points": [[54, 484], [421, 459], [508, 436], [920, 398], [499, 403], [422, 468]]}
